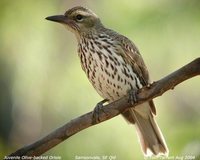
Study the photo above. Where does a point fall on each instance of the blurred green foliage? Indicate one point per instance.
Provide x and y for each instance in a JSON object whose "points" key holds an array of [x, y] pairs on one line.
{"points": [[42, 85]]}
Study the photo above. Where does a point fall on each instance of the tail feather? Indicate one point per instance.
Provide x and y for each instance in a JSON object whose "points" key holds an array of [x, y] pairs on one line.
{"points": [[150, 136]]}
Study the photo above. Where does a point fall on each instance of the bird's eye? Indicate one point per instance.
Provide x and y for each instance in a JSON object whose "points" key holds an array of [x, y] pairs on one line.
{"points": [[79, 17]]}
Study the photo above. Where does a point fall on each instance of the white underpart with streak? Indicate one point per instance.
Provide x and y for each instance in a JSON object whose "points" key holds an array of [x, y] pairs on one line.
{"points": [[107, 76]]}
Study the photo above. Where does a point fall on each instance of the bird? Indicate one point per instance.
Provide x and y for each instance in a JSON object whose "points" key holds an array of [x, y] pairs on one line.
{"points": [[114, 66]]}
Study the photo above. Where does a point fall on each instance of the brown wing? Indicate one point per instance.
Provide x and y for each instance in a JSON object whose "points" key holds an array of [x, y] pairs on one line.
{"points": [[134, 58]]}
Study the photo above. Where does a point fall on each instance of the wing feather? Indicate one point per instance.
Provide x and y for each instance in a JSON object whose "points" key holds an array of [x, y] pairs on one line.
{"points": [[131, 54]]}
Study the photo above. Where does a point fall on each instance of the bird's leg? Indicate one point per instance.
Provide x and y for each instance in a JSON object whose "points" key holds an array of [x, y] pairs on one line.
{"points": [[149, 85], [98, 108], [132, 96]]}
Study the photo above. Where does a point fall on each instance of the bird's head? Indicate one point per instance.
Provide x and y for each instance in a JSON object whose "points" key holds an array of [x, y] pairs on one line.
{"points": [[79, 20]]}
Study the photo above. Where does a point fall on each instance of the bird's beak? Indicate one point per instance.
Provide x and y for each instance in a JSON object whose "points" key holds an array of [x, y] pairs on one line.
{"points": [[58, 18]]}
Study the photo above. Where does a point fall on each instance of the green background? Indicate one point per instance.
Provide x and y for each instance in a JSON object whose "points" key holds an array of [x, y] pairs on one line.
{"points": [[42, 85]]}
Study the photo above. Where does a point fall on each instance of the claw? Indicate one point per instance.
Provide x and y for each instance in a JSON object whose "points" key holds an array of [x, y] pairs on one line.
{"points": [[132, 96], [150, 84], [98, 108]]}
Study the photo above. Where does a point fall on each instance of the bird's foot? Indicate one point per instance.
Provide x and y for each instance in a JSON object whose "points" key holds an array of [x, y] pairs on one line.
{"points": [[149, 85], [132, 96], [98, 108]]}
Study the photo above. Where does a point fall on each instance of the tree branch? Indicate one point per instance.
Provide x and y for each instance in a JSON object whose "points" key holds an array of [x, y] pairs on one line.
{"points": [[111, 110]]}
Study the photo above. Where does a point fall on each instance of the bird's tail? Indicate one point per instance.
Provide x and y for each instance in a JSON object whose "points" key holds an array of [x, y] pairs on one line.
{"points": [[151, 139]]}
